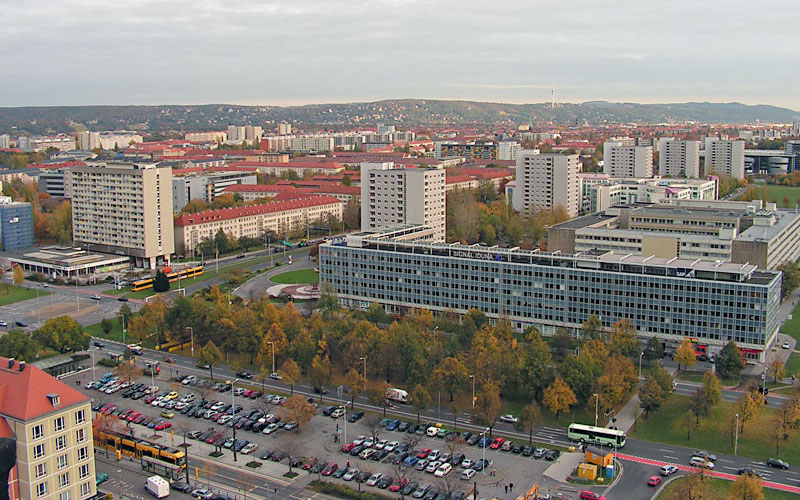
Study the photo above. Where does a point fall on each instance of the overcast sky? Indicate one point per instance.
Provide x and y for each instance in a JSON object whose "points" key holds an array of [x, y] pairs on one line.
{"points": [[311, 51]]}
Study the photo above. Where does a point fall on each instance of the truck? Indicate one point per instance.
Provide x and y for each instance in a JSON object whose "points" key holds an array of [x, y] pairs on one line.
{"points": [[396, 395], [157, 486]]}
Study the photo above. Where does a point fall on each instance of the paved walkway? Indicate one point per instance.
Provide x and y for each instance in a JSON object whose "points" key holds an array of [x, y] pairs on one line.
{"points": [[627, 416]]}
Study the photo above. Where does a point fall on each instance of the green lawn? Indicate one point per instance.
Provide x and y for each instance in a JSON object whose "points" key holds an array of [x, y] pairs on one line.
{"points": [[792, 326], [718, 490], [697, 376], [669, 425], [777, 194], [115, 334], [11, 294], [303, 276], [793, 365]]}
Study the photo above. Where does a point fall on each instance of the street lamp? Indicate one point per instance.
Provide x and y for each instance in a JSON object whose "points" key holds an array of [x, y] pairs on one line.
{"points": [[364, 359], [123, 326], [233, 404], [736, 440], [596, 406], [640, 364], [91, 351], [483, 436], [273, 355], [473, 390], [191, 331]]}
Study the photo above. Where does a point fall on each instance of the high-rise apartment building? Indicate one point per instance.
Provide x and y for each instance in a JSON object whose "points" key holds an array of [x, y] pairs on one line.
{"points": [[284, 128], [5, 141], [394, 196], [124, 208], [678, 158], [545, 181], [621, 160], [16, 224], [507, 150], [724, 157], [52, 424]]}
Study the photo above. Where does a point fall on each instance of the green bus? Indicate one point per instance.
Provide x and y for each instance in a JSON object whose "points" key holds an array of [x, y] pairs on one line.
{"points": [[596, 435]]}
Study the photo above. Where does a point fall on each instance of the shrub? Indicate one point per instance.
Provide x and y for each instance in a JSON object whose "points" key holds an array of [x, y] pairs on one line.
{"points": [[108, 362]]}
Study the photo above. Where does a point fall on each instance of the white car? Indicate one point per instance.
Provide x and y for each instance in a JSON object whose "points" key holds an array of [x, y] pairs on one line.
{"points": [[785, 345], [432, 466], [443, 470], [509, 419], [249, 448], [365, 454], [350, 474], [467, 463], [188, 380], [391, 445], [337, 413], [434, 455], [373, 479], [223, 419], [359, 440], [467, 474], [275, 376], [369, 442], [270, 429], [381, 444]]}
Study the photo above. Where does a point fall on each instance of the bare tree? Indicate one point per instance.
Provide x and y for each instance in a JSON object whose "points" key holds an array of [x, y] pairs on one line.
{"points": [[292, 446], [374, 426]]}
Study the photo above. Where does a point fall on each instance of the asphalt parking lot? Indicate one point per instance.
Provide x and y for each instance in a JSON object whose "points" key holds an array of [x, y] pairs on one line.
{"points": [[322, 439]]}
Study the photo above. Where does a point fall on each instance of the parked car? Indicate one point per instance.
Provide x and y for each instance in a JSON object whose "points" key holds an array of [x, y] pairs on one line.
{"points": [[552, 455], [330, 468], [467, 474], [350, 474], [373, 479], [591, 495]]}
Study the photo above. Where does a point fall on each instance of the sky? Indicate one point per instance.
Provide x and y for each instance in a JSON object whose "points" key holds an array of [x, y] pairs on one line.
{"points": [[77, 52]]}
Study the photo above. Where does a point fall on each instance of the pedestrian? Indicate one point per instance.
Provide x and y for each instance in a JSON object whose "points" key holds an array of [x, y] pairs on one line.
{"points": [[510, 486], [506, 489], [348, 464]]}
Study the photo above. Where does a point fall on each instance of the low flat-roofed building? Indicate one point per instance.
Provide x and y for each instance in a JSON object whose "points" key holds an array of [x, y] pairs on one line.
{"points": [[64, 262]]}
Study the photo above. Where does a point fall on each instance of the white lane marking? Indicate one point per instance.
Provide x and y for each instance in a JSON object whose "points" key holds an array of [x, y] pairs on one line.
{"points": [[671, 458]]}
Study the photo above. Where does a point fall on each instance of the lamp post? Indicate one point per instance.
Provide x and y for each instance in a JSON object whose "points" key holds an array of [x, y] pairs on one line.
{"points": [[273, 355], [233, 404], [483, 436], [640, 363], [123, 326], [364, 359], [736, 439], [473, 390], [596, 406], [94, 378], [191, 332]]}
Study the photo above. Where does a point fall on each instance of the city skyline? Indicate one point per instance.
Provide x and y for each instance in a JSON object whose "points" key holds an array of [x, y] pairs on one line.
{"points": [[140, 52]]}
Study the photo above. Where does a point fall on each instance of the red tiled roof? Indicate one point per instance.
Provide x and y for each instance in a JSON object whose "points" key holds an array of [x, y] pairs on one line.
{"points": [[351, 190], [259, 188], [455, 179], [5, 430], [23, 394], [266, 208], [484, 173], [291, 164]]}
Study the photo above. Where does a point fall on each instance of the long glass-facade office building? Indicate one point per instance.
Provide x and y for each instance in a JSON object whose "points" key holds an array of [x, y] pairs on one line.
{"points": [[710, 302]]}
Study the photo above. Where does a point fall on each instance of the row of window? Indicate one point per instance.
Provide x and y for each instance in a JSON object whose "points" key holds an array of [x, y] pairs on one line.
{"points": [[59, 424], [41, 490]]}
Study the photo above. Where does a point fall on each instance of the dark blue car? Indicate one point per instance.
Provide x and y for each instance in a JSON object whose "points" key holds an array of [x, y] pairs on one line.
{"points": [[484, 442], [392, 425]]}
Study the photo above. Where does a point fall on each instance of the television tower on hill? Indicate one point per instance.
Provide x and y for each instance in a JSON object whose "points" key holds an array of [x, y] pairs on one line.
{"points": [[553, 97]]}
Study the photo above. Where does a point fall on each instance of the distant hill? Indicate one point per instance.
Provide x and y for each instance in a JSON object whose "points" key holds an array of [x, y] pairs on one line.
{"points": [[403, 112]]}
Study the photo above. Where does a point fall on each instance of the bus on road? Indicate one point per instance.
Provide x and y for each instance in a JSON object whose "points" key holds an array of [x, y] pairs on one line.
{"points": [[596, 435]]}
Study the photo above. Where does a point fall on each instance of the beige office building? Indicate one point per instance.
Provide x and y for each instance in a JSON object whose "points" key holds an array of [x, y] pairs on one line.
{"points": [[678, 158], [545, 181], [394, 196], [724, 157], [52, 424], [125, 209], [621, 160]]}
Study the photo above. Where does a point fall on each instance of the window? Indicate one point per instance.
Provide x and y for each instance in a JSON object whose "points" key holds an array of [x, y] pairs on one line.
{"points": [[80, 416], [64, 495], [41, 470], [80, 435], [61, 442], [38, 451], [83, 453], [63, 480], [58, 424], [37, 431], [62, 461], [86, 490], [83, 471], [41, 489]]}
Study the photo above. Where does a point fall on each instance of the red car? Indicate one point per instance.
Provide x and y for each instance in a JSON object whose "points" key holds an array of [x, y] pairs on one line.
{"points": [[591, 495], [329, 469], [247, 393], [255, 395], [133, 416], [398, 484], [346, 448], [654, 481], [497, 443], [310, 463], [162, 426], [424, 453], [108, 410]]}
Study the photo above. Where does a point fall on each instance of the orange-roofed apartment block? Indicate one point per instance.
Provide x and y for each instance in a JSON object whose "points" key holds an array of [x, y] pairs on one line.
{"points": [[52, 425]]}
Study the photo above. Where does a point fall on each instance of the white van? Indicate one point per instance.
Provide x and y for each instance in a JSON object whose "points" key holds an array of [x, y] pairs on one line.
{"points": [[157, 486], [432, 431]]}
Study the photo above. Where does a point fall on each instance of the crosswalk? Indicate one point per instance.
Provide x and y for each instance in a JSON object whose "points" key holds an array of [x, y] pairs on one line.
{"points": [[552, 435]]}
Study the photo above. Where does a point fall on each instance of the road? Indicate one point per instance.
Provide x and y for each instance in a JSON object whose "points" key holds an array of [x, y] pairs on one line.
{"points": [[254, 287], [637, 450]]}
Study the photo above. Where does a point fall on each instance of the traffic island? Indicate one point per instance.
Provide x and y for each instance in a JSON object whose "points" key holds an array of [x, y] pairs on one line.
{"points": [[253, 464]]}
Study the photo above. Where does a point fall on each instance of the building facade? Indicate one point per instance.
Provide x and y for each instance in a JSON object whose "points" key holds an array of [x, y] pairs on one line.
{"points": [[279, 217], [622, 160], [61, 142], [670, 299], [678, 157], [52, 424], [545, 181], [124, 209], [16, 224], [205, 186], [395, 196], [724, 157]]}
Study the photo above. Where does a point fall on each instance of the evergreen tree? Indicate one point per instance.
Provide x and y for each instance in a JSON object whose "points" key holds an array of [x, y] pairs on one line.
{"points": [[161, 282]]}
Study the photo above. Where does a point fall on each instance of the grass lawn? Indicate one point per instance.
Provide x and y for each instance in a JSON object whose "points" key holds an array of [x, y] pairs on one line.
{"points": [[303, 276], [777, 193], [696, 376], [793, 365], [669, 425], [792, 326], [717, 489], [11, 294], [115, 334]]}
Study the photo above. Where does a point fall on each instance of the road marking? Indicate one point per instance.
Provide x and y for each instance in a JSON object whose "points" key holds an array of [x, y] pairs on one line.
{"points": [[726, 460], [666, 450], [671, 458]]}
